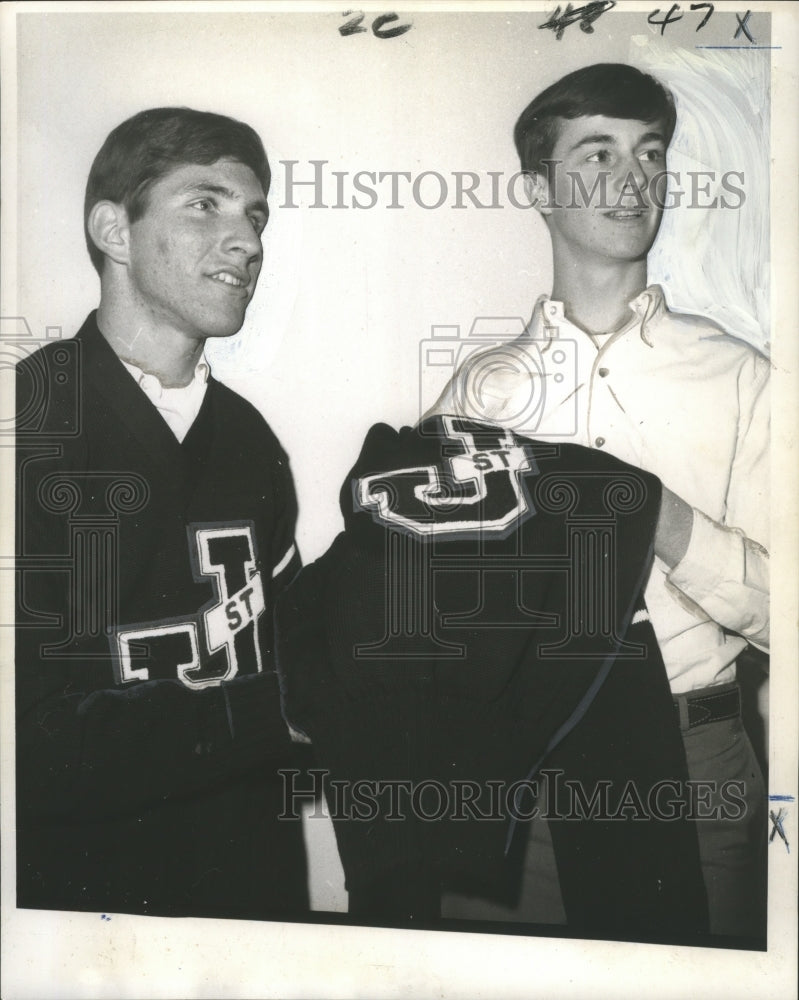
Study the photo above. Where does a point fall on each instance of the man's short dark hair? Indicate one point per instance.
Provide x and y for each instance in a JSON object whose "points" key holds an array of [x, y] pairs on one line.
{"points": [[611, 89], [151, 144]]}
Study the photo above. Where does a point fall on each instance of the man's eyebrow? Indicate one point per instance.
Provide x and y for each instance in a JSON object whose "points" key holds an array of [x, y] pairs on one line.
{"points": [[208, 187], [597, 137], [652, 137], [590, 140]]}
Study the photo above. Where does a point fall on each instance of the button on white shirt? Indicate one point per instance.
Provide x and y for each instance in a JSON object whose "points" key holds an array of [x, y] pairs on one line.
{"points": [[677, 396], [178, 406]]}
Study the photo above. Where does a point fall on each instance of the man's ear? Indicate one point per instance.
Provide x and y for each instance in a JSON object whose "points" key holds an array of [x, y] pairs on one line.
{"points": [[109, 229], [537, 190]]}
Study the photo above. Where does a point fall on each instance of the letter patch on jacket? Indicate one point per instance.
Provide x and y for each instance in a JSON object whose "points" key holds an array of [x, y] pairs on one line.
{"points": [[478, 489]]}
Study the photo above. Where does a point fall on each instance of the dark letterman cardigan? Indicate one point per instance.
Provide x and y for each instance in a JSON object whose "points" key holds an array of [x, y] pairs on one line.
{"points": [[149, 730], [479, 618]]}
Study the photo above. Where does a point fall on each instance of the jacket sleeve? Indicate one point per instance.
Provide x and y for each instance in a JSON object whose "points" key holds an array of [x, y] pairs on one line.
{"points": [[725, 569]]}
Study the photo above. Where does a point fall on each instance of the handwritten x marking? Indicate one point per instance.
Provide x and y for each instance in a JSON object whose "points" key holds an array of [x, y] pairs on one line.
{"points": [[742, 26], [777, 827]]}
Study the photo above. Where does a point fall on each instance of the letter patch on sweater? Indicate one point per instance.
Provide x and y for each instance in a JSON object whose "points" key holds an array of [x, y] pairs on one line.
{"points": [[221, 640]]}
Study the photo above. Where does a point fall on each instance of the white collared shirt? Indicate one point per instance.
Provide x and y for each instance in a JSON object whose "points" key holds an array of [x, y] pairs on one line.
{"points": [[178, 406], [677, 396]]}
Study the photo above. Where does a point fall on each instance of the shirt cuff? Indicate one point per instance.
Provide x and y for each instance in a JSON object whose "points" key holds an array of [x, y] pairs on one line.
{"points": [[727, 575]]}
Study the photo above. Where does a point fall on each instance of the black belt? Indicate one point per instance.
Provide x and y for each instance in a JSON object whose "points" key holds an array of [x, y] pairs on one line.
{"points": [[708, 705]]}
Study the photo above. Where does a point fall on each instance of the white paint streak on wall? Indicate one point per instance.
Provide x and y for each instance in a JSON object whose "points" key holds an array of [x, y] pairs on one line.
{"points": [[722, 126]]}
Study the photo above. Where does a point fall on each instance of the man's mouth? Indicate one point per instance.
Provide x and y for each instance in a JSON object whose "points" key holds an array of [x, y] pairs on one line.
{"points": [[229, 278], [626, 213]]}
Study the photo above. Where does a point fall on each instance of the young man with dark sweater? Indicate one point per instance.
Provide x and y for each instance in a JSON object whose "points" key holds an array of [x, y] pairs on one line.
{"points": [[155, 528]]}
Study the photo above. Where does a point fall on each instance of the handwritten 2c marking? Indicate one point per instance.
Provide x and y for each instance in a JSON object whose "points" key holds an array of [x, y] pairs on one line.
{"points": [[379, 29]]}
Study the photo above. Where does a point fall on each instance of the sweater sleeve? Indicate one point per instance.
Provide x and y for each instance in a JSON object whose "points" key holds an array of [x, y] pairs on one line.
{"points": [[86, 747], [109, 752], [286, 561]]}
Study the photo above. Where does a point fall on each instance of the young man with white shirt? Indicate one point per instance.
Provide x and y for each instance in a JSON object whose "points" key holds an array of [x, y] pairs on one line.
{"points": [[672, 394], [155, 527]]}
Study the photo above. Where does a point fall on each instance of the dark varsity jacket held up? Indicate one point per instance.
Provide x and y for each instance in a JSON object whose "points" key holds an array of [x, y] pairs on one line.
{"points": [[480, 619], [149, 731]]}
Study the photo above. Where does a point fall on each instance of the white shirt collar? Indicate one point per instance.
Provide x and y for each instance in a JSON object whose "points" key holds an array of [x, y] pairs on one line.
{"points": [[178, 405], [154, 386], [549, 312]]}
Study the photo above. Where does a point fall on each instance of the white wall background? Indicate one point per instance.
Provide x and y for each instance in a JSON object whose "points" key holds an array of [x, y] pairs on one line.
{"points": [[332, 339]]}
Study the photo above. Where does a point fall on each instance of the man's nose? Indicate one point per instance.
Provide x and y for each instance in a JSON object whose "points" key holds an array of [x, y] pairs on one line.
{"points": [[630, 176], [241, 235]]}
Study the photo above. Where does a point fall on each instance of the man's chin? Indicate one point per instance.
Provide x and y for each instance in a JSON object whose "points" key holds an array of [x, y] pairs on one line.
{"points": [[634, 250], [227, 327], [217, 334]]}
